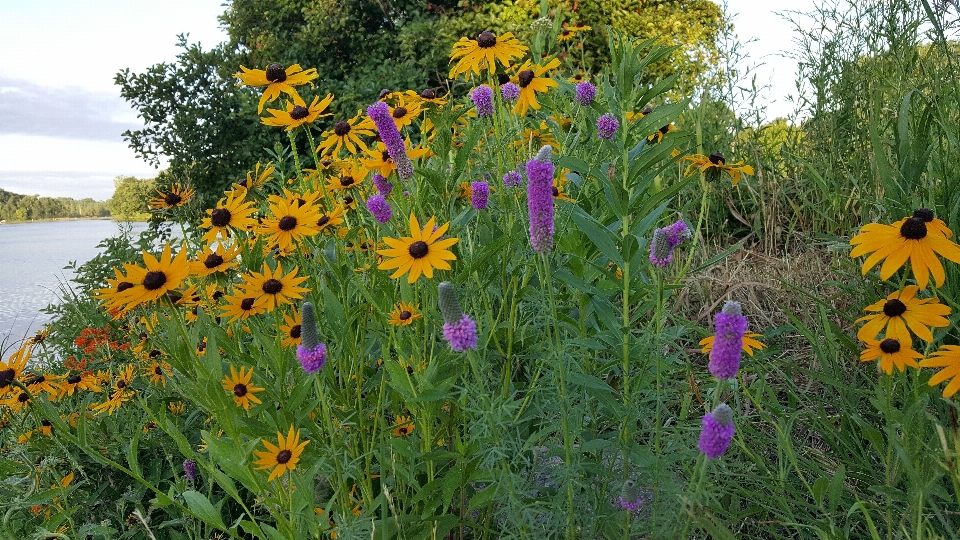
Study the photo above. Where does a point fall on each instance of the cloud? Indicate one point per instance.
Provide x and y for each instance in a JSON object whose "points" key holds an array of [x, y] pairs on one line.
{"points": [[27, 108]]}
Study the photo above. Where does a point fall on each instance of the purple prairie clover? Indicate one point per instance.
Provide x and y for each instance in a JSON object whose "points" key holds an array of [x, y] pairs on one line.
{"points": [[380, 208], [382, 184], [482, 97], [607, 126], [479, 192], [510, 91], [585, 93], [312, 359], [677, 233], [461, 335], [379, 112], [630, 497], [540, 200], [311, 353], [665, 240], [730, 326], [190, 470], [512, 179], [717, 431]]}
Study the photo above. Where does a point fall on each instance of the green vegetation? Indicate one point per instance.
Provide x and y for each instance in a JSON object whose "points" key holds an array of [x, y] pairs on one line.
{"points": [[14, 207], [131, 196]]}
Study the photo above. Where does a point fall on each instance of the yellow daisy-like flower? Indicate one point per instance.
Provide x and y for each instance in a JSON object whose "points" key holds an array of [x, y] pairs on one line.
{"points": [[559, 187], [406, 110], [714, 164], [277, 289], [160, 276], [349, 178], [12, 369], [79, 381], [419, 253], [378, 160], [570, 32], [298, 114], [173, 197], [284, 456], [218, 259], [330, 220], [948, 358], [40, 336], [902, 309], [402, 426], [290, 330], [177, 407], [242, 306], [891, 353], [232, 212], [290, 221], [346, 134], [750, 343], [484, 53], [530, 79], [658, 135], [257, 177], [157, 371], [239, 384], [535, 139], [914, 240], [404, 314], [277, 80]]}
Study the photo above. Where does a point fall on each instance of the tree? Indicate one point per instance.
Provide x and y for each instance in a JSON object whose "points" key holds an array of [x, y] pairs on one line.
{"points": [[129, 201]]}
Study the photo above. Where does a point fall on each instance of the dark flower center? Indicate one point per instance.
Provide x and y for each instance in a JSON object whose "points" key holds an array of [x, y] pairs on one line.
{"points": [[894, 308], [240, 390], [246, 304], [384, 156], [284, 456], [384, 93], [717, 158], [213, 260], [403, 430], [158, 370], [524, 78], [556, 191], [154, 280], [324, 219], [217, 295], [399, 112], [428, 94], [299, 112], [287, 223], [295, 331], [202, 346], [502, 78], [39, 379], [142, 336], [300, 201], [348, 200], [578, 77], [6, 376], [174, 296], [220, 217], [272, 286], [74, 379], [404, 315], [121, 384], [646, 111], [346, 181], [924, 214], [276, 73], [565, 33], [45, 423], [242, 183], [155, 353], [124, 285], [172, 199], [913, 229], [418, 249], [486, 39], [341, 128], [665, 129], [23, 398], [326, 163], [890, 346]]}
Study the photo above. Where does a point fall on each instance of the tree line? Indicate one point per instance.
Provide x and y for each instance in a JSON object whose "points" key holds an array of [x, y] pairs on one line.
{"points": [[16, 207]]}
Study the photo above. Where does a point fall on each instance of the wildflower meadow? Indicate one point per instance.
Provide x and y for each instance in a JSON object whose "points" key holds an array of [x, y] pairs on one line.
{"points": [[488, 311]]}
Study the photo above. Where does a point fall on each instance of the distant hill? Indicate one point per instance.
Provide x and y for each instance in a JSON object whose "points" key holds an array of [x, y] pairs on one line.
{"points": [[16, 207]]}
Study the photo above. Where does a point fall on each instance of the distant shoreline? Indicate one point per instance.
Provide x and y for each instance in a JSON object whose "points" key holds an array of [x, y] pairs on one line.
{"points": [[71, 219]]}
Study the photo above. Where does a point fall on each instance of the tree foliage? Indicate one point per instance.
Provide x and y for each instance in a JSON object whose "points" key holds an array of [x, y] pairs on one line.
{"points": [[129, 201], [16, 207]]}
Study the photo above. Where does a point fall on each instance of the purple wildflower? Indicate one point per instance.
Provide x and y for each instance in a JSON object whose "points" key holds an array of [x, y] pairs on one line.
{"points": [[607, 126], [510, 91], [665, 239], [730, 325], [190, 470], [677, 233], [717, 432], [311, 352], [380, 208], [383, 185], [585, 93], [540, 200], [312, 359], [461, 335], [512, 179], [480, 191], [379, 112], [630, 497], [482, 97]]}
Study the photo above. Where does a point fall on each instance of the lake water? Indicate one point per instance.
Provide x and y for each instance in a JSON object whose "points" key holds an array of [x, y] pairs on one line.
{"points": [[32, 257]]}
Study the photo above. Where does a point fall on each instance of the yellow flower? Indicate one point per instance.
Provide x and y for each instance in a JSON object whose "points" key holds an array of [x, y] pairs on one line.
{"points": [[570, 32], [484, 52], [298, 114], [346, 134], [900, 310], [241, 306], [378, 160], [948, 358], [160, 276], [406, 110], [404, 314], [12, 369], [176, 407], [530, 79], [275, 288], [158, 371], [218, 259], [277, 80], [175, 196], [232, 212], [290, 330], [257, 177], [239, 384], [289, 223], [891, 353], [419, 253], [750, 342], [402, 426], [714, 164], [284, 456]]}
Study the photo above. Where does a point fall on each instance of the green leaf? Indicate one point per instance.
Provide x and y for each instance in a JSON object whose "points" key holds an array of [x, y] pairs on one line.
{"points": [[132, 453], [200, 506], [599, 235]]}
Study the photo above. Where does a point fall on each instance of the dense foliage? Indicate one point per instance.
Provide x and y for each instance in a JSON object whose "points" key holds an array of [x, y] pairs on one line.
{"points": [[15, 207]]}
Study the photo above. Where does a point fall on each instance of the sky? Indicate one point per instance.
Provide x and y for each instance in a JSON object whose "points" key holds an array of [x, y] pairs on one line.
{"points": [[61, 115]]}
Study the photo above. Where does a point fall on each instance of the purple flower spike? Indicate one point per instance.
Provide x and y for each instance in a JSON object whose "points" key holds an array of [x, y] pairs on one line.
{"points": [[480, 191], [379, 112], [190, 470], [383, 185], [665, 239], [312, 359], [540, 200], [482, 97], [730, 326], [607, 126], [380, 208], [513, 179], [510, 91], [461, 335], [585, 93], [717, 432]]}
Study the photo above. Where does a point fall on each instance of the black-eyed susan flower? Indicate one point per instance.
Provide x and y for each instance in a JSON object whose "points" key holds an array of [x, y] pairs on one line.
{"points": [[570, 32], [79, 381], [348, 178], [346, 134], [157, 372], [911, 240], [329, 221], [160, 275], [890, 352], [290, 330], [948, 358], [405, 111], [419, 253], [473, 55], [40, 336], [658, 135], [176, 407], [714, 164], [377, 158], [273, 286], [277, 80], [289, 222], [259, 176], [171, 197], [530, 78], [902, 310], [239, 384], [404, 314], [750, 343], [241, 306], [402, 426], [231, 213], [283, 456], [12, 369], [560, 189], [118, 296], [216, 258], [297, 114], [43, 382]]}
